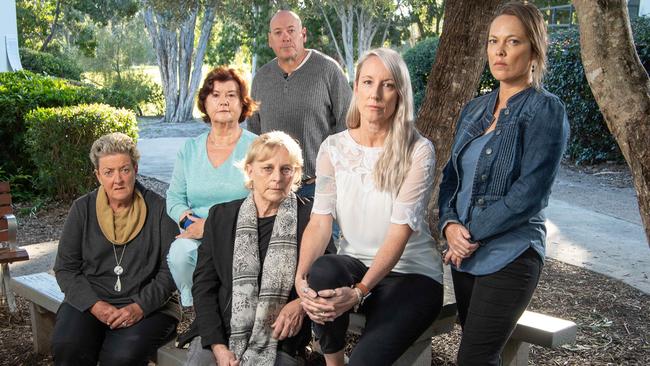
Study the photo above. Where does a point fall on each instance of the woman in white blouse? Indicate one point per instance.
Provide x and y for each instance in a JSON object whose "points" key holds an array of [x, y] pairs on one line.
{"points": [[375, 179]]}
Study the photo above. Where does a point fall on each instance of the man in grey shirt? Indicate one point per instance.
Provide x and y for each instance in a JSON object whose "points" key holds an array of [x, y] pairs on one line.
{"points": [[301, 92]]}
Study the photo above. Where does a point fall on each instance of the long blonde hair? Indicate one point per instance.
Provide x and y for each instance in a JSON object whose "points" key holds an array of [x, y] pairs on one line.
{"points": [[395, 161]]}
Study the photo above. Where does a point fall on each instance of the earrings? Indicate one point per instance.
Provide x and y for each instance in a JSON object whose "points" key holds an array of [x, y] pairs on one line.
{"points": [[533, 68]]}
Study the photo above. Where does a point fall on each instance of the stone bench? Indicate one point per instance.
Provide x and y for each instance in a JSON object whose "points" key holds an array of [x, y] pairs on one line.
{"points": [[45, 297], [538, 329], [419, 354], [532, 328]]}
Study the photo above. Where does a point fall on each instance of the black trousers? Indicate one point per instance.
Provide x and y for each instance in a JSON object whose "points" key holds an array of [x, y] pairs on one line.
{"points": [[400, 308], [489, 307], [80, 339]]}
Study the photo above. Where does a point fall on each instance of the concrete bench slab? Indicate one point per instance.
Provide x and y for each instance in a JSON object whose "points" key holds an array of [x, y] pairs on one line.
{"points": [[45, 297]]}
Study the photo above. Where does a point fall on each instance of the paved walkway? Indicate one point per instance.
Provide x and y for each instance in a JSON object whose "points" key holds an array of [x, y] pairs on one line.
{"points": [[578, 236]]}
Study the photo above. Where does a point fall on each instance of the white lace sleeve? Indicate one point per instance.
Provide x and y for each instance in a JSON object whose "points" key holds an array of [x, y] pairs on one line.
{"points": [[412, 200], [325, 196]]}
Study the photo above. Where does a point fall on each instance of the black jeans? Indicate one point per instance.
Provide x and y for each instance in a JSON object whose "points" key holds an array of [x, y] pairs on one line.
{"points": [[400, 308], [80, 339], [489, 307]]}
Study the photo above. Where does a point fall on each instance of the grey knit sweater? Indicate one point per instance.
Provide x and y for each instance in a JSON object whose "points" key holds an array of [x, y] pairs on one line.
{"points": [[310, 104]]}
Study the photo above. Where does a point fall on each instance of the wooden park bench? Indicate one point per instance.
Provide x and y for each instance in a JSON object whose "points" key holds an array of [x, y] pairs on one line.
{"points": [[9, 251]]}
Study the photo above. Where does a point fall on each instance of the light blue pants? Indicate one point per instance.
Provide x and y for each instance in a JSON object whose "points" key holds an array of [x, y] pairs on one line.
{"points": [[182, 261]]}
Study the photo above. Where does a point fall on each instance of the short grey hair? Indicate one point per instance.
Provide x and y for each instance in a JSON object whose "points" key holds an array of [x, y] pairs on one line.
{"points": [[114, 143]]}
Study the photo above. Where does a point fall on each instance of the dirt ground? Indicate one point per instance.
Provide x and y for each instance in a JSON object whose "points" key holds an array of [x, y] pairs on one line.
{"points": [[613, 318]]}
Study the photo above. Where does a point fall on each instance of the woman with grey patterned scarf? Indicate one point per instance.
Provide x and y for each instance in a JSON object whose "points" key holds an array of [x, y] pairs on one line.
{"points": [[247, 312]]}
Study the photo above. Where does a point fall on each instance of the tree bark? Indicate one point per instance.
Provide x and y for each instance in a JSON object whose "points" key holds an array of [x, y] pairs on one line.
{"points": [[180, 63], [620, 86], [453, 80]]}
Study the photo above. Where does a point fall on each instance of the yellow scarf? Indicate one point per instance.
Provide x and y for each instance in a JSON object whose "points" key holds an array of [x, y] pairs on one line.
{"points": [[122, 227]]}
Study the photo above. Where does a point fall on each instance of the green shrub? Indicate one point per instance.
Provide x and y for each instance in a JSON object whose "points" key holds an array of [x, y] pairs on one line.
{"points": [[591, 142], [419, 60], [138, 93], [23, 91], [49, 64], [59, 139]]}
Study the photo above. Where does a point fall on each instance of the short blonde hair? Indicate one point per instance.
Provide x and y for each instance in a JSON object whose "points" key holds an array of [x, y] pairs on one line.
{"points": [[263, 148], [114, 143], [535, 27]]}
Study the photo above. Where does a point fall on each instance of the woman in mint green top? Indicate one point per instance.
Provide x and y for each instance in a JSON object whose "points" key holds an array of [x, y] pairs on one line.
{"points": [[205, 172]]}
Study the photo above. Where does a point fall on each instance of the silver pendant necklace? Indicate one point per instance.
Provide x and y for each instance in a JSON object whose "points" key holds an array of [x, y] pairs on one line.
{"points": [[118, 270]]}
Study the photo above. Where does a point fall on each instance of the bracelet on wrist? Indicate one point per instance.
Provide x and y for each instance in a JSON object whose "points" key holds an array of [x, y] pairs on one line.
{"points": [[363, 288], [359, 294]]}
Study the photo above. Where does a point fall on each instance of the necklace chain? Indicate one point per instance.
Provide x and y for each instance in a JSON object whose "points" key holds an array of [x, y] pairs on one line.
{"points": [[118, 270]]}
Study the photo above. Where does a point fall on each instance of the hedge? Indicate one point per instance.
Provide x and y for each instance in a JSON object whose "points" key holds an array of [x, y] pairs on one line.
{"points": [[49, 64], [23, 91], [419, 60], [59, 139]]}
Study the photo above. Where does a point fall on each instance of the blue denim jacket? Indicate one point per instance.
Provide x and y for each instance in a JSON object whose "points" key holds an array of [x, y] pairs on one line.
{"points": [[514, 173]]}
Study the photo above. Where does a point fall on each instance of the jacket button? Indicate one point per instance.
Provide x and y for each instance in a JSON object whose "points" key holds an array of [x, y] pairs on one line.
{"points": [[488, 151], [483, 177], [506, 111], [498, 132], [480, 201]]}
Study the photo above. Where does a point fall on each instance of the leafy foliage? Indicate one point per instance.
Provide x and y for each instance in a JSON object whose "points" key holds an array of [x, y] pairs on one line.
{"points": [[591, 142], [23, 91], [49, 64], [419, 60], [58, 141], [137, 92]]}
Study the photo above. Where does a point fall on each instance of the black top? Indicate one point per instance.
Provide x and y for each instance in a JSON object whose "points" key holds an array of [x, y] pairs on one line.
{"points": [[85, 259], [212, 289], [264, 230]]}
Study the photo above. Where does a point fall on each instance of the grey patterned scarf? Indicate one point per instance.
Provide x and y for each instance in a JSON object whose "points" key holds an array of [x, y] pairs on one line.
{"points": [[253, 314]]}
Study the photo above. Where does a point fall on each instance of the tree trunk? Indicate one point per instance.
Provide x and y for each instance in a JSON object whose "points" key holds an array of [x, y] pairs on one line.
{"points": [[367, 27], [179, 62], [57, 12], [453, 79], [620, 86], [346, 16]]}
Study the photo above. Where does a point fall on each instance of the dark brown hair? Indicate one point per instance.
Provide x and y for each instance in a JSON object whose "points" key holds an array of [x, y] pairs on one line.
{"points": [[535, 27], [223, 74]]}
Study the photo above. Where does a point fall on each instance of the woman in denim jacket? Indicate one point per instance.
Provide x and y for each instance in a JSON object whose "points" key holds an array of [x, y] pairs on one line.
{"points": [[505, 156]]}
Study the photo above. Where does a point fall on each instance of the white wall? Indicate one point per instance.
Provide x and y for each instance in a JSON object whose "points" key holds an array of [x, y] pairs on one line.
{"points": [[644, 8], [9, 58]]}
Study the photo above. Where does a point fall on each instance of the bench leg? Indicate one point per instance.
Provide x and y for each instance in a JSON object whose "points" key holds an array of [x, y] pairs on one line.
{"points": [[6, 296], [419, 354], [515, 353], [42, 328]]}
